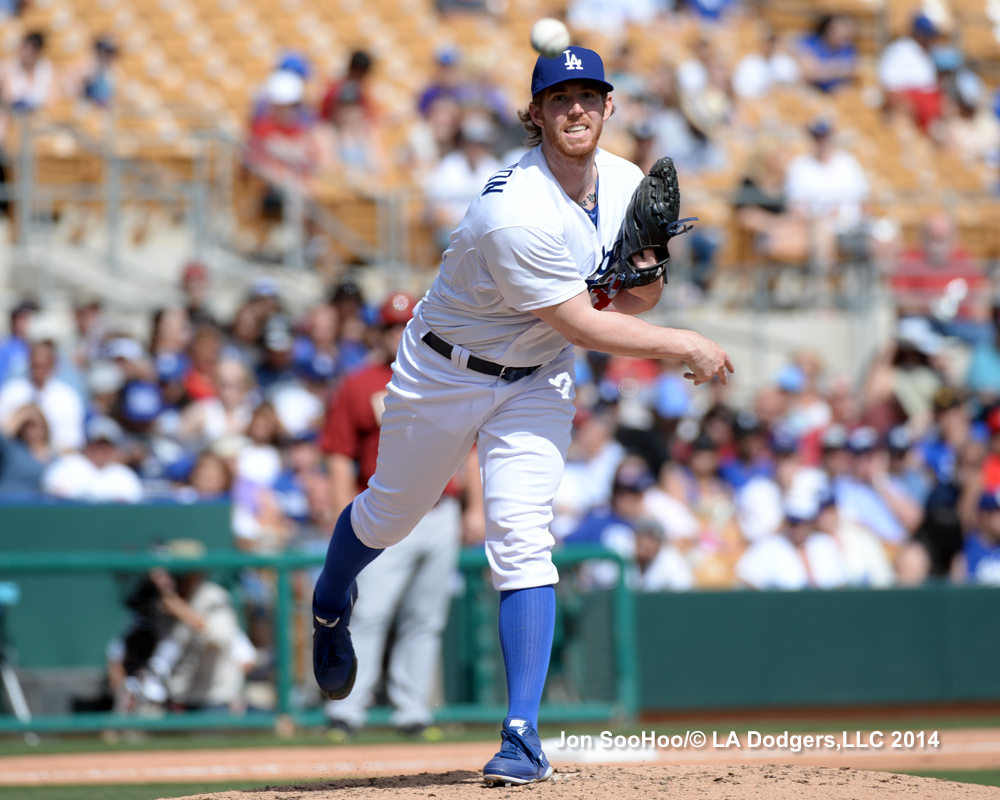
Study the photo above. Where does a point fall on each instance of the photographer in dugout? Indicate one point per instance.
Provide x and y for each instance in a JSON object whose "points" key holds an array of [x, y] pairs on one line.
{"points": [[185, 648], [128, 656]]}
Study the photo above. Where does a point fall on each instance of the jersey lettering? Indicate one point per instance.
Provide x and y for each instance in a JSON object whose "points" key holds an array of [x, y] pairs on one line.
{"points": [[497, 182], [572, 60], [601, 297], [608, 260]]}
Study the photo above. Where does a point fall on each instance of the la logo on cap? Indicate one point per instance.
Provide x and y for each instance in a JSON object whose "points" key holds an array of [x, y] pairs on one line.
{"points": [[578, 64]]}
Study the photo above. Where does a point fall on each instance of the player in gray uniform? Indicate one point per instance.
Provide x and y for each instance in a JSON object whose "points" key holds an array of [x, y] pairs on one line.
{"points": [[488, 359]]}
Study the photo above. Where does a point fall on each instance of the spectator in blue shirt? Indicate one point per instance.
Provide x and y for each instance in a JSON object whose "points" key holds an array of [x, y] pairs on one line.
{"points": [[276, 367], [25, 452], [14, 347], [829, 57], [613, 526], [867, 496], [303, 462], [949, 431], [752, 457], [983, 376], [906, 470], [980, 557], [447, 80], [95, 78], [315, 351], [947, 511]]}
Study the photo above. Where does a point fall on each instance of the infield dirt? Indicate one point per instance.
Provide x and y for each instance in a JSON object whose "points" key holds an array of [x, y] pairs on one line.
{"points": [[451, 770], [585, 783]]}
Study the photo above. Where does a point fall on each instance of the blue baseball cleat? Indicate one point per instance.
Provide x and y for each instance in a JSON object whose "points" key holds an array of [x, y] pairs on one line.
{"points": [[520, 759], [334, 663]]}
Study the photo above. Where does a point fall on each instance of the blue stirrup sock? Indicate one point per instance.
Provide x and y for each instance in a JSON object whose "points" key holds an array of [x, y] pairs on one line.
{"points": [[527, 622], [346, 556]]}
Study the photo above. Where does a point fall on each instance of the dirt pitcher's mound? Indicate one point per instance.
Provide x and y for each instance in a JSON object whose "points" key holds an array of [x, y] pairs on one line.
{"points": [[598, 783]]}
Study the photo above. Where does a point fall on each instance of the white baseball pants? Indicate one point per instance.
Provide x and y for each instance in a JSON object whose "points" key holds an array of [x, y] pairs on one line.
{"points": [[434, 412]]}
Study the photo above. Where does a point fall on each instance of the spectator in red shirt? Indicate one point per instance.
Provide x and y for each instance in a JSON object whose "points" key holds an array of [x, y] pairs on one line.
{"points": [[290, 153], [358, 70], [351, 432], [284, 146], [928, 273], [990, 471], [908, 74], [199, 380]]}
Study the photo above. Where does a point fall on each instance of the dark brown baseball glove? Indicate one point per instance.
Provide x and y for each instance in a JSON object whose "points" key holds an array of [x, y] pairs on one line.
{"points": [[649, 224]]}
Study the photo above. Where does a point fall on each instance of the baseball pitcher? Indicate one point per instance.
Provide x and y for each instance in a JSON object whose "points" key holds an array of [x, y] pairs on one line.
{"points": [[488, 359]]}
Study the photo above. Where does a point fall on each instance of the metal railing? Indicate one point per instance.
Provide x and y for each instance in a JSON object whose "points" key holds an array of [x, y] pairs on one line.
{"points": [[473, 565]]}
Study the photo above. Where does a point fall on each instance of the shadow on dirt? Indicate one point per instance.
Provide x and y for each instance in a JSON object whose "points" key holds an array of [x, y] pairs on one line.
{"points": [[425, 780]]}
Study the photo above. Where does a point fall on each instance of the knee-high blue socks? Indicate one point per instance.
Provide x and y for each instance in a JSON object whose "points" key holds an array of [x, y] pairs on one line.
{"points": [[346, 556], [527, 622]]}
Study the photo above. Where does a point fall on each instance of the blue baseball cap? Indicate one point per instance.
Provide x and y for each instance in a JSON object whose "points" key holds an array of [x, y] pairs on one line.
{"points": [[924, 26], [825, 498], [863, 440], [447, 55], [304, 436], [898, 439], [171, 367], [784, 442], [141, 401], [747, 424], [318, 367], [671, 397], [989, 501], [572, 64], [294, 61], [791, 378], [632, 477], [835, 438], [820, 127]]}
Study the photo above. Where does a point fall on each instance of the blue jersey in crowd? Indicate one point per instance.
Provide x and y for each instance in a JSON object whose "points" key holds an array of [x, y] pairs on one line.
{"points": [[982, 559], [816, 46]]}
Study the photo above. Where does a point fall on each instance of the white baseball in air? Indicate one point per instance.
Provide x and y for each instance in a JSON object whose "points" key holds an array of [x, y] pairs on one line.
{"points": [[549, 37]]}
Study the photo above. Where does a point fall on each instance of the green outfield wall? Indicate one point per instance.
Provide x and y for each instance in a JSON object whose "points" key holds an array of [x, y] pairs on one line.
{"points": [[707, 650], [742, 649], [613, 652], [67, 620]]}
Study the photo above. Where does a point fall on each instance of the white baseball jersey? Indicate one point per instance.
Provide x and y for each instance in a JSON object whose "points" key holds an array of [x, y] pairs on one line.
{"points": [[523, 245]]}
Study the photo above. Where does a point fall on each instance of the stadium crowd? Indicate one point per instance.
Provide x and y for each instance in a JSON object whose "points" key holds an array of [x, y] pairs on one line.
{"points": [[813, 484], [805, 192]]}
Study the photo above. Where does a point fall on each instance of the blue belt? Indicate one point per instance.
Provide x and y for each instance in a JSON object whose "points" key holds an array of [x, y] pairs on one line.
{"points": [[476, 364]]}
